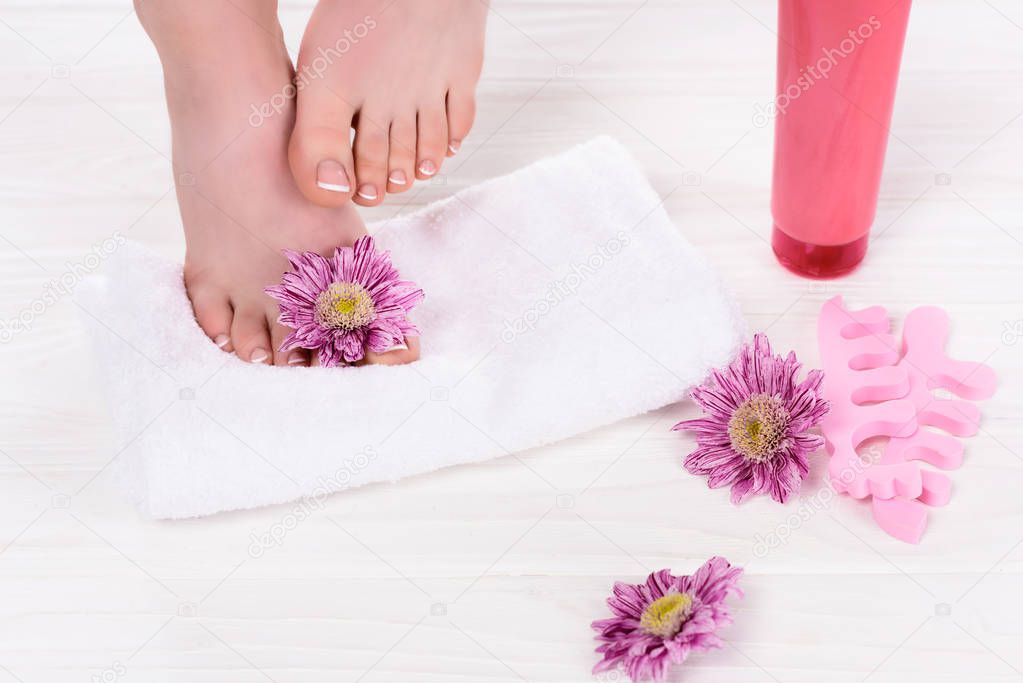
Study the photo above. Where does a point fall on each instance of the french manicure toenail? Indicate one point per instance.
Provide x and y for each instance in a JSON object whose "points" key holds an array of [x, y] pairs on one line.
{"points": [[397, 347], [368, 191], [454, 146], [398, 178], [296, 359], [331, 176], [258, 356], [221, 340], [427, 167]]}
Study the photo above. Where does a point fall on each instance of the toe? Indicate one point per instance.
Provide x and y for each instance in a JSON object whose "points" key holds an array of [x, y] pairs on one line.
{"points": [[278, 333], [320, 152], [401, 163], [432, 141], [250, 335], [398, 356], [461, 112], [298, 358], [213, 313], [371, 142]]}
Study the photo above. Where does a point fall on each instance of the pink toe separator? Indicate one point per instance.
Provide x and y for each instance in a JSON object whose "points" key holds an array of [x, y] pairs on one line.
{"points": [[879, 388]]}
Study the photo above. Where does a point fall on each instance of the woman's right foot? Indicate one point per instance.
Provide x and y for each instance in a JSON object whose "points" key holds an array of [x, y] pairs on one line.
{"points": [[403, 74], [239, 203]]}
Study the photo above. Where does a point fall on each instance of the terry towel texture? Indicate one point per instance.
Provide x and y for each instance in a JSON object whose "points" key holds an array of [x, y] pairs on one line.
{"points": [[558, 298]]}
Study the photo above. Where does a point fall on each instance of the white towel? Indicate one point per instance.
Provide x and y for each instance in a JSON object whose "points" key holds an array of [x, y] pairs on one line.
{"points": [[558, 298]]}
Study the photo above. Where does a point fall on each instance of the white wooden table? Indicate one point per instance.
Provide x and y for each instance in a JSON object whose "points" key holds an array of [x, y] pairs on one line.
{"points": [[494, 571]]}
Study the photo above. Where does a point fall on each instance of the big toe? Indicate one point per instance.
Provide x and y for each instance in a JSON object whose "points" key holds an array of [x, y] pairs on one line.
{"points": [[320, 151]]}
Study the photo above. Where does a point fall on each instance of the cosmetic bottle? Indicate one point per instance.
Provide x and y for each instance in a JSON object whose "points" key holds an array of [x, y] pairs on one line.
{"points": [[838, 67]]}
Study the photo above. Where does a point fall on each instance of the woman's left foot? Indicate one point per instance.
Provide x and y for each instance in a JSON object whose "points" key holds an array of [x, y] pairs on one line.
{"points": [[403, 74], [239, 204]]}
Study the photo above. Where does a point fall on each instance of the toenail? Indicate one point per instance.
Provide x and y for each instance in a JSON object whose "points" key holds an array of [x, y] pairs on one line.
{"points": [[427, 167], [454, 146], [258, 356], [331, 176], [296, 359], [221, 340], [368, 191], [398, 178], [397, 347]]}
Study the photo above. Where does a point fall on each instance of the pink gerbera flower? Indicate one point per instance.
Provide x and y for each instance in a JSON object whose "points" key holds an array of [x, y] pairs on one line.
{"points": [[754, 434], [658, 623], [343, 305]]}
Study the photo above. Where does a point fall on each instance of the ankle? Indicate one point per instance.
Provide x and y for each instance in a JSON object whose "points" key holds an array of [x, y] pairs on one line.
{"points": [[197, 30]]}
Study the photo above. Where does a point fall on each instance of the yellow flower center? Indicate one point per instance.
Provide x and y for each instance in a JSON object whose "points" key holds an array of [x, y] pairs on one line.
{"points": [[344, 306], [758, 427], [664, 616]]}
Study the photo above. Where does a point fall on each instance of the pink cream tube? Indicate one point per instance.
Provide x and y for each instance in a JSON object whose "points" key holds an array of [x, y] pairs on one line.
{"points": [[838, 66]]}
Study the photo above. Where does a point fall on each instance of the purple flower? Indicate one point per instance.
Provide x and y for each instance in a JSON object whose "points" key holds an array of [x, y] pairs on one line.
{"points": [[343, 305], [753, 435], [660, 622]]}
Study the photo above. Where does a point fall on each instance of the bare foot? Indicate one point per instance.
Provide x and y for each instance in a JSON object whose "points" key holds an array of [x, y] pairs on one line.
{"points": [[239, 204], [403, 74]]}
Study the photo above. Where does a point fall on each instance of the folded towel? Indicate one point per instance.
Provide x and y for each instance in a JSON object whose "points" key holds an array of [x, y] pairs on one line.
{"points": [[558, 298]]}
